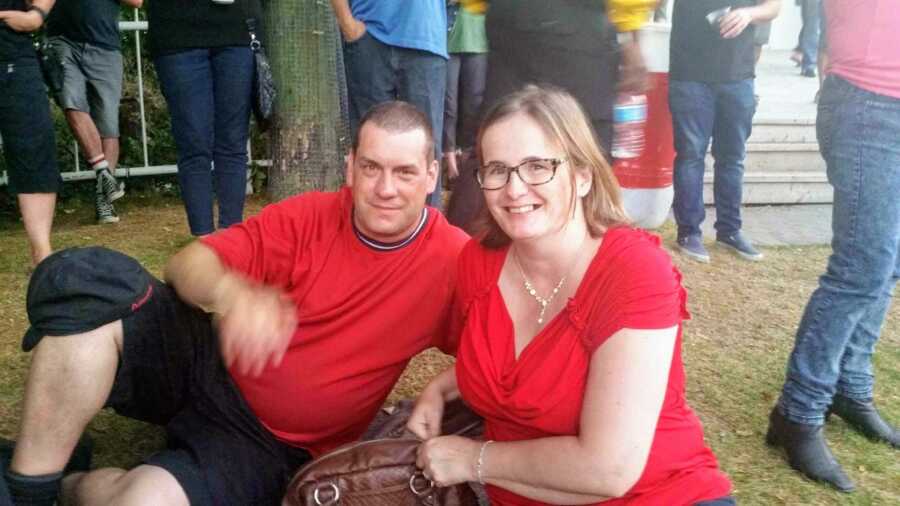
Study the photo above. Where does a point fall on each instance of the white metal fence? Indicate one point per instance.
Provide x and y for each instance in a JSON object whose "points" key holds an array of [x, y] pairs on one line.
{"points": [[78, 172]]}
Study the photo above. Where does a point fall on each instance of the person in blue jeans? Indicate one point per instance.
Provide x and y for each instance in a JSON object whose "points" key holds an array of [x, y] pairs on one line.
{"points": [[201, 51], [858, 128], [396, 51], [711, 98], [808, 40]]}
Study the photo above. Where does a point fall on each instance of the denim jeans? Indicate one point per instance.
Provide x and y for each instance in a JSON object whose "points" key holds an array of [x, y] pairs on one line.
{"points": [[466, 78], [859, 137], [377, 72], [701, 111], [208, 92], [808, 41]]}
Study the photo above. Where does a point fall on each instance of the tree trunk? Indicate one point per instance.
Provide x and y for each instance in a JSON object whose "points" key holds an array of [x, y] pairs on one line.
{"points": [[310, 134]]}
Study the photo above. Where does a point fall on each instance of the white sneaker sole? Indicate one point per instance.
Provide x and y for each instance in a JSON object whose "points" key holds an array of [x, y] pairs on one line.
{"points": [[746, 256], [704, 259]]}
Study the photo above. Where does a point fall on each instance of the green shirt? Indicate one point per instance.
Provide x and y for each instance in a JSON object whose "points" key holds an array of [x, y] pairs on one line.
{"points": [[468, 34]]}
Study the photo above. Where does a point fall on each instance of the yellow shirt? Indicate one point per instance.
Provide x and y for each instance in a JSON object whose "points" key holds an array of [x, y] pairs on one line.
{"points": [[474, 6], [629, 15]]}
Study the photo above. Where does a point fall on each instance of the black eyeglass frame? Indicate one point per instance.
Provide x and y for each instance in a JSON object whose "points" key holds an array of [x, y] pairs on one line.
{"points": [[554, 164]]}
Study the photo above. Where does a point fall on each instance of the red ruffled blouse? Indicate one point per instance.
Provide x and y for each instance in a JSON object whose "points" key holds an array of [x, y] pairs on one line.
{"points": [[631, 283]]}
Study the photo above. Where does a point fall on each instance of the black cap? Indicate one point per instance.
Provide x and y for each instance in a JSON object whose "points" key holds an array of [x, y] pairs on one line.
{"points": [[79, 289]]}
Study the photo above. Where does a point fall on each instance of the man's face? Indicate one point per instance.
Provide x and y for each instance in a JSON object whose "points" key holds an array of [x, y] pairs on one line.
{"points": [[390, 177]]}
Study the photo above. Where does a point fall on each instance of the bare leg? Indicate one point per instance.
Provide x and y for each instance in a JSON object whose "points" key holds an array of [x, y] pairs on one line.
{"points": [[143, 485], [85, 132], [111, 152], [37, 213], [68, 383]]}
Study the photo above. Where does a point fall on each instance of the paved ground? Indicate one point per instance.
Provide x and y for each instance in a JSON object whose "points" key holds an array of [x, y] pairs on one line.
{"points": [[783, 93], [793, 225]]}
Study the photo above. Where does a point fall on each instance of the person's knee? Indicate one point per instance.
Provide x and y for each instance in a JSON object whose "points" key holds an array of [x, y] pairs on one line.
{"points": [[102, 344], [142, 486]]}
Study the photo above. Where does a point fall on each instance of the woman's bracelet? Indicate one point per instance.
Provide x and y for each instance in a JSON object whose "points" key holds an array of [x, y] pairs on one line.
{"points": [[479, 464]]}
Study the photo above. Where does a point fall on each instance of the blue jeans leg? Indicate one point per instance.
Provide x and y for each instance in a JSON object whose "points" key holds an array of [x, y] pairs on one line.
{"points": [[370, 75], [735, 107], [233, 73], [187, 84], [422, 82], [858, 133], [809, 33], [692, 105]]}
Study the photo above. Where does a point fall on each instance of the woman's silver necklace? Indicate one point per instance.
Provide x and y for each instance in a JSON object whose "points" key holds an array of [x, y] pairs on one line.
{"points": [[544, 302]]}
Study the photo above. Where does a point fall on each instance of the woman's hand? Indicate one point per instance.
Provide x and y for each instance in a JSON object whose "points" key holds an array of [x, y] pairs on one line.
{"points": [[425, 420], [449, 460]]}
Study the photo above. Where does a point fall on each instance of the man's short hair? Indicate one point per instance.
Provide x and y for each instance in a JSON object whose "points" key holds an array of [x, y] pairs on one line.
{"points": [[397, 116]]}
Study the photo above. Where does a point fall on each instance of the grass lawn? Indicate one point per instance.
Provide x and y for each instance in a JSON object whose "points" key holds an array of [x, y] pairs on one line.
{"points": [[735, 349]]}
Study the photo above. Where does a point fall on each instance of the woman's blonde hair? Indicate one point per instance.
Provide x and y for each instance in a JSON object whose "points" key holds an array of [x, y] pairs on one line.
{"points": [[563, 122]]}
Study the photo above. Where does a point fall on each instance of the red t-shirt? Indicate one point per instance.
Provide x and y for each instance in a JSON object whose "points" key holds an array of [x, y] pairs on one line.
{"points": [[631, 283], [362, 313]]}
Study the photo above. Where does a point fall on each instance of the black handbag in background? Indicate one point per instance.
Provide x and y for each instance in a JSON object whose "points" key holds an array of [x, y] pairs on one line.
{"points": [[264, 92], [50, 63]]}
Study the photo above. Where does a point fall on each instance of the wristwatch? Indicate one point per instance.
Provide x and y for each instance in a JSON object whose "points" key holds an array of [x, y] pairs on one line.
{"points": [[40, 11]]}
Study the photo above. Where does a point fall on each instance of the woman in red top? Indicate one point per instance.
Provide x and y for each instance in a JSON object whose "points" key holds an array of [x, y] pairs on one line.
{"points": [[570, 328]]}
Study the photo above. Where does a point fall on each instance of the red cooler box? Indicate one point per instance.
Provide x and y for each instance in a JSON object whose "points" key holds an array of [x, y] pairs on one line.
{"points": [[646, 181]]}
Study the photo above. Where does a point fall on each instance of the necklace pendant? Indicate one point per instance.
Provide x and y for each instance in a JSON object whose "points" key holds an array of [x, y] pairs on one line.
{"points": [[540, 321]]}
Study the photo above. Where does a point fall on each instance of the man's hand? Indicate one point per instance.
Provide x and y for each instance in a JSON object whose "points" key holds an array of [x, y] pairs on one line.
{"points": [[449, 460], [426, 416], [633, 77], [255, 324], [452, 164], [22, 21], [734, 23], [352, 29]]}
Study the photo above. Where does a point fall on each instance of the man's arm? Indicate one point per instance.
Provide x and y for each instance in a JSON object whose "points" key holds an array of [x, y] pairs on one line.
{"points": [[736, 21], [30, 20], [133, 3], [351, 28], [255, 322]]}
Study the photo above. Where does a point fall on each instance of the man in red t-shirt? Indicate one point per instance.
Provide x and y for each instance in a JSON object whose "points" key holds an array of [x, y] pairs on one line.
{"points": [[310, 312]]}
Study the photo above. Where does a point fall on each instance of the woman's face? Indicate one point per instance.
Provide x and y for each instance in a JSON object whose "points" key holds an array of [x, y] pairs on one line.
{"points": [[524, 211]]}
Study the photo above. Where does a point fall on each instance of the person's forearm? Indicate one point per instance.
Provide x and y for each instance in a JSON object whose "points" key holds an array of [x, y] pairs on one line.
{"points": [[45, 5], [557, 470], [766, 10], [198, 276], [342, 12]]}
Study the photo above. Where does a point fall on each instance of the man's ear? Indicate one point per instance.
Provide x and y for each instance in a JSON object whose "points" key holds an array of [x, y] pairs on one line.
{"points": [[433, 172], [348, 168]]}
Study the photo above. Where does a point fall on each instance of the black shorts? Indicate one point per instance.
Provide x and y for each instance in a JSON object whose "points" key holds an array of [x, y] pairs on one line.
{"points": [[171, 374], [29, 142]]}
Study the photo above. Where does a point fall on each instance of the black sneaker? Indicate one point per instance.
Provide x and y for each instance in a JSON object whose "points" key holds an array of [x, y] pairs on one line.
{"points": [[739, 244], [112, 189], [106, 213], [692, 247]]}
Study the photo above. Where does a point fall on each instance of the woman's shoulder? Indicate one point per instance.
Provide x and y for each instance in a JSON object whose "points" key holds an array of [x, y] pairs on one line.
{"points": [[627, 250]]}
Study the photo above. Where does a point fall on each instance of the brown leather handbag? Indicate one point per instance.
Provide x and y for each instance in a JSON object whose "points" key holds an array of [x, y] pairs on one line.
{"points": [[381, 469]]}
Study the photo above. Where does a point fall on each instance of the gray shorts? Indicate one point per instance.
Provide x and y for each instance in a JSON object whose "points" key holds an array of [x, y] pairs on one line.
{"points": [[92, 82]]}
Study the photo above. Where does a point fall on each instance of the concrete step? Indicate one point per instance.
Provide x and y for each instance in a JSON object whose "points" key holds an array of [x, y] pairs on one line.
{"points": [[768, 131], [780, 156], [781, 187]]}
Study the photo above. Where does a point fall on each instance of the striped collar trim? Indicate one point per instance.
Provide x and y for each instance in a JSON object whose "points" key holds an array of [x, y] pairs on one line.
{"points": [[391, 246]]}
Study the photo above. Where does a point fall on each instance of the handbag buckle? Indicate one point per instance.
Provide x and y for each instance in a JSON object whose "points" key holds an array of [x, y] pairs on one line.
{"points": [[335, 491], [429, 485]]}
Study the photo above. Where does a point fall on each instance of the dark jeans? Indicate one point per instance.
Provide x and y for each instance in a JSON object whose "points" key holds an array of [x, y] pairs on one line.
{"points": [[722, 501], [377, 72], [701, 111], [858, 134], [466, 75], [808, 42], [209, 93]]}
